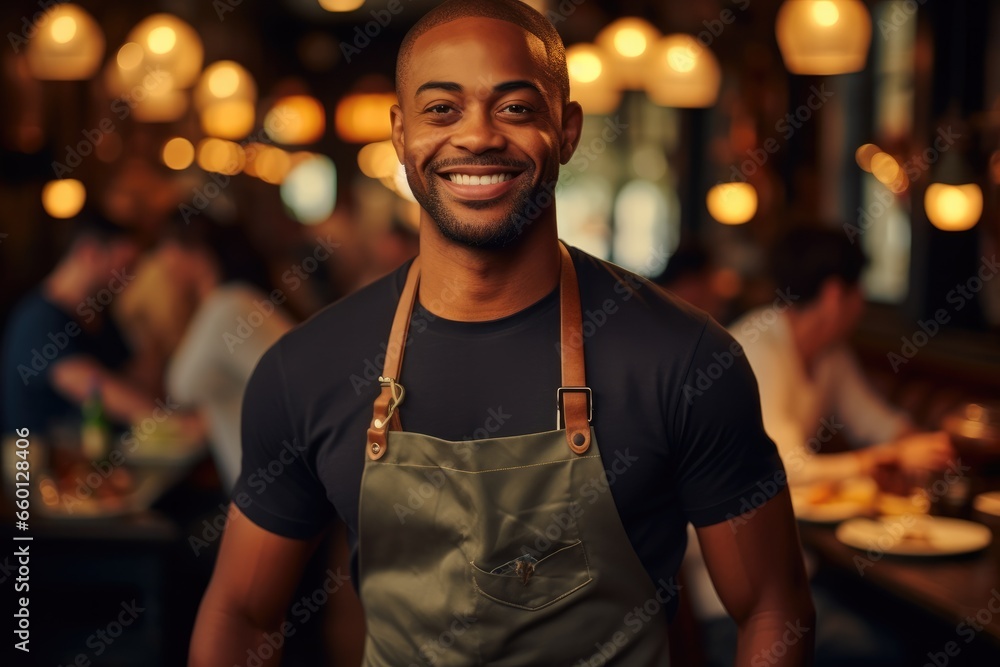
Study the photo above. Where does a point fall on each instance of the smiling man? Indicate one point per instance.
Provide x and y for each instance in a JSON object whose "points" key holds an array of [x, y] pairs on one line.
{"points": [[518, 481]]}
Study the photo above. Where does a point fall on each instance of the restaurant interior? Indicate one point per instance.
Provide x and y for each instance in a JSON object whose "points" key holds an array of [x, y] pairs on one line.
{"points": [[259, 131]]}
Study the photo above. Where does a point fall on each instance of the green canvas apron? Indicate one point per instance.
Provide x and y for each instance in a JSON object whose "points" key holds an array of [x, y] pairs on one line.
{"points": [[496, 558]]}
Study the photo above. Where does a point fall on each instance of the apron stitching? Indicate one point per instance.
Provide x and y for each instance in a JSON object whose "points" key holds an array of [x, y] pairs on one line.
{"points": [[519, 606], [480, 472]]}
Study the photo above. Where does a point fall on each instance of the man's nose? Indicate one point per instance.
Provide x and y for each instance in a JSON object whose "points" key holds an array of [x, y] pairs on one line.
{"points": [[477, 133]]}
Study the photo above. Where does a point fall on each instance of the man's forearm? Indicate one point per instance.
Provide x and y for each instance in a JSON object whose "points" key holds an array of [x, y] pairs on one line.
{"points": [[777, 639], [223, 640]]}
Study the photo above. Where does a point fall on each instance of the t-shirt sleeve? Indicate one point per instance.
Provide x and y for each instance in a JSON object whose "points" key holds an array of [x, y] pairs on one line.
{"points": [[277, 488], [728, 465]]}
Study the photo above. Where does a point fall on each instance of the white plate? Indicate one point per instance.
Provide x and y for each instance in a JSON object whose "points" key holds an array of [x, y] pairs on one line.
{"points": [[915, 535]]}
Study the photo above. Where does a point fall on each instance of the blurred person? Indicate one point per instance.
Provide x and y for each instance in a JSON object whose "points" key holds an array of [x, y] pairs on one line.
{"points": [[798, 348], [462, 498], [62, 344], [233, 323], [812, 389]]}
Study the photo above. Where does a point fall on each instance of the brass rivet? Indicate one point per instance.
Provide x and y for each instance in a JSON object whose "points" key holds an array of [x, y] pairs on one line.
{"points": [[579, 439], [376, 448]]}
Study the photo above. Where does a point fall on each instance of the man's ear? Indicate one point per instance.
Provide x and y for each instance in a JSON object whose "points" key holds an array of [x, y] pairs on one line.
{"points": [[572, 128], [398, 141]]}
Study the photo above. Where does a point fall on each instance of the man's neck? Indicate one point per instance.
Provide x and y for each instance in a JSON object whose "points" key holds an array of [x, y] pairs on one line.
{"points": [[808, 335], [467, 284]]}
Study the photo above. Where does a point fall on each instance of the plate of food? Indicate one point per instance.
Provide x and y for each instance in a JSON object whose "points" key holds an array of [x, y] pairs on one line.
{"points": [[833, 502], [80, 492], [915, 535]]}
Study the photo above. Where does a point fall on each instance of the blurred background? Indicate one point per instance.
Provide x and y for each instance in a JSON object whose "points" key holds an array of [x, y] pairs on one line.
{"points": [[238, 153]]}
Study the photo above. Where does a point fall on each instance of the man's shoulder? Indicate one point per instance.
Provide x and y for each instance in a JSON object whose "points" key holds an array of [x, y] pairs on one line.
{"points": [[612, 288], [761, 330]]}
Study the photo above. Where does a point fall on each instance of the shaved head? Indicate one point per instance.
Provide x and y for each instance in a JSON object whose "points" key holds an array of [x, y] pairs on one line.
{"points": [[511, 11]]}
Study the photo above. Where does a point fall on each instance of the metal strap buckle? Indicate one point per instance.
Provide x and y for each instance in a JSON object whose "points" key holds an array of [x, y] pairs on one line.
{"points": [[397, 394], [559, 403]]}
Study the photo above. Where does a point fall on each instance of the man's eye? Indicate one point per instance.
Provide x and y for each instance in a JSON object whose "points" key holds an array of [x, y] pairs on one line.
{"points": [[439, 109], [517, 109]]}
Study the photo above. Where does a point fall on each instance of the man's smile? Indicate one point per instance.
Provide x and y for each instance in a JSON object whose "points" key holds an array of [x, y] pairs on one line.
{"points": [[479, 182]]}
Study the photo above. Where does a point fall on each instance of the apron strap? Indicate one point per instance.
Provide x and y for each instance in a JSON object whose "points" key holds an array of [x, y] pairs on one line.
{"points": [[386, 414], [573, 399]]}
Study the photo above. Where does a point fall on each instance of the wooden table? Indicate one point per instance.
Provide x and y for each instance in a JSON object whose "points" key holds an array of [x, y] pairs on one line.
{"points": [[951, 588], [84, 568]]}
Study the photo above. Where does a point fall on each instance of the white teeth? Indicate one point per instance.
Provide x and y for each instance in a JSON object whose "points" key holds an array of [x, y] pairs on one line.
{"points": [[475, 179]]}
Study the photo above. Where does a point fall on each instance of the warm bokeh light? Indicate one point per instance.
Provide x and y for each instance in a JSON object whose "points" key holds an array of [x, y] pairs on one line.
{"points": [[223, 157], [224, 80], [885, 168], [628, 42], [863, 156], [591, 80], [378, 160], [681, 58], [161, 40], [68, 45], [824, 36], [157, 100], [228, 119], [825, 13], [171, 45], [296, 120], [309, 192], [584, 65], [63, 29], [63, 198], [953, 208], [732, 203], [178, 153], [268, 163], [272, 165], [364, 117], [129, 56], [341, 5], [682, 73]]}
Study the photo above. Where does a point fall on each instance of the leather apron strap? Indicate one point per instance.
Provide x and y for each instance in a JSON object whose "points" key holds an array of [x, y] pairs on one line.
{"points": [[574, 399]]}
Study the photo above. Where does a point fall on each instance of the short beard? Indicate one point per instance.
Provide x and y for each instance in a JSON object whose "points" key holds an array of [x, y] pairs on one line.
{"points": [[501, 233]]}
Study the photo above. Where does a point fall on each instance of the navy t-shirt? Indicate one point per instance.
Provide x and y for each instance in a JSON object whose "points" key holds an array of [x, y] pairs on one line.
{"points": [[39, 334], [686, 457]]}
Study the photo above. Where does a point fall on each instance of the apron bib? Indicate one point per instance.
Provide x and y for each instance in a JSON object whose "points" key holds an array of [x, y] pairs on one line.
{"points": [[515, 556]]}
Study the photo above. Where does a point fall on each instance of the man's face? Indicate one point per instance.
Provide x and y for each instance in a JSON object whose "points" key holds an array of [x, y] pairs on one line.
{"points": [[481, 128]]}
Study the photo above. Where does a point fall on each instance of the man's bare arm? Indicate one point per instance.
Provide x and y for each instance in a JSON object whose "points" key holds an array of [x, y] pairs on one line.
{"points": [[75, 377], [755, 562], [255, 576]]}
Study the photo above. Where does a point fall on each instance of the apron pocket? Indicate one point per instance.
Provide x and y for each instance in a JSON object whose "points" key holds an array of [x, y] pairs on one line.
{"points": [[533, 584]]}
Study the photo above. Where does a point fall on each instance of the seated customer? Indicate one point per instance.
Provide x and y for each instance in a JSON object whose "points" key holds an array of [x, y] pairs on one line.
{"points": [[62, 345], [811, 386], [233, 324], [811, 389]]}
